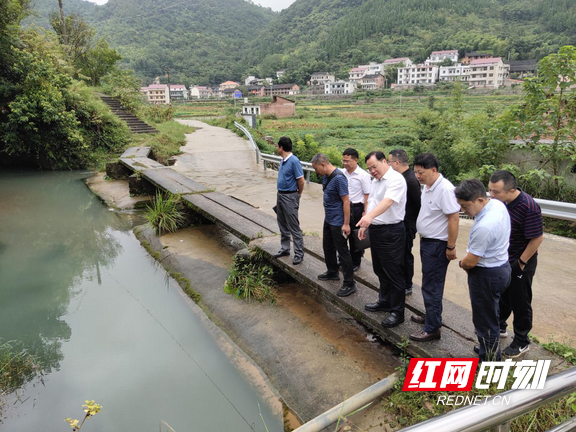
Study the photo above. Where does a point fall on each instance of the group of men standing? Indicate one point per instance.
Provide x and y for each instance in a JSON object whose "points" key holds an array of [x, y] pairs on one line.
{"points": [[388, 204]]}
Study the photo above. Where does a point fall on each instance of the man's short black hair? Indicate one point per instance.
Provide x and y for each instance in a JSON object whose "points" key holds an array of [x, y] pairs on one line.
{"points": [[505, 177], [470, 190], [400, 155], [285, 143], [351, 152], [427, 161], [379, 155]]}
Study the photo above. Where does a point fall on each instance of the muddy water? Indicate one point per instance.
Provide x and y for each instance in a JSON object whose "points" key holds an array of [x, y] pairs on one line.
{"points": [[79, 291]]}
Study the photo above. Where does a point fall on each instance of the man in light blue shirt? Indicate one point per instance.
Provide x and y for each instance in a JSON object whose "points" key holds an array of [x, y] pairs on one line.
{"points": [[486, 263]]}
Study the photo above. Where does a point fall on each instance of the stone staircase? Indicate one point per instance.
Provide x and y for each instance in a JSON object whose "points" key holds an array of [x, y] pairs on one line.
{"points": [[134, 123]]}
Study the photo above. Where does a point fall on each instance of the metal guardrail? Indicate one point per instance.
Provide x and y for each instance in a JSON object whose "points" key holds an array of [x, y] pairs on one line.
{"points": [[474, 418], [552, 209]]}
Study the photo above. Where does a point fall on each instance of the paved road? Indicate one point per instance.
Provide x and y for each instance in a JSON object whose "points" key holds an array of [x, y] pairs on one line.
{"points": [[219, 158]]}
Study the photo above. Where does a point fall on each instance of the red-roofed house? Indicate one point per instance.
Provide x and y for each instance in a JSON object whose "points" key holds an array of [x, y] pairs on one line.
{"points": [[229, 85], [488, 72], [356, 74], [440, 56]]}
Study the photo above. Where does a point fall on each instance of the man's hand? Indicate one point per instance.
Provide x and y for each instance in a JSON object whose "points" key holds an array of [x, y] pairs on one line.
{"points": [[451, 254], [346, 230], [361, 233], [522, 266], [364, 222]]}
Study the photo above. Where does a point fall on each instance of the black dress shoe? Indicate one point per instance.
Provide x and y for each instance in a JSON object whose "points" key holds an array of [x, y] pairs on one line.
{"points": [[328, 276], [297, 260], [377, 306], [345, 291], [393, 320], [409, 291], [356, 268], [418, 319], [422, 336], [281, 253]]}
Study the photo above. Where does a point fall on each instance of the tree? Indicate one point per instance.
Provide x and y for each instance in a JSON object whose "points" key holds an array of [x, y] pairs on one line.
{"points": [[549, 111]]}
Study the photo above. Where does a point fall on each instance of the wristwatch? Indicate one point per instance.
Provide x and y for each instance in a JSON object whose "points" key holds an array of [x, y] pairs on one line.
{"points": [[450, 248]]}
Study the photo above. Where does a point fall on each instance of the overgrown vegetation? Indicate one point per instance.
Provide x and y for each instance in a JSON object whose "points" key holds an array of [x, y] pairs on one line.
{"points": [[164, 213], [17, 367], [165, 144], [249, 278]]}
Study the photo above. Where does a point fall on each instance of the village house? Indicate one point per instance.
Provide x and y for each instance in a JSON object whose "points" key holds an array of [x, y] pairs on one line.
{"points": [[252, 80], [356, 74], [320, 78], [488, 72], [424, 75], [474, 55], [256, 90], [373, 68], [522, 68], [339, 87], [228, 85], [226, 93], [280, 107], [403, 61], [178, 92], [156, 93], [280, 73], [458, 72], [440, 56], [372, 81], [282, 90], [200, 92]]}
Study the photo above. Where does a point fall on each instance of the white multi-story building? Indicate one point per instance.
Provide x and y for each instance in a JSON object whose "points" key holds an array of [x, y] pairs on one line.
{"points": [[418, 75], [440, 56], [156, 93], [488, 72], [200, 92], [321, 78], [339, 87], [396, 61], [356, 74], [457, 72], [178, 92], [373, 68]]}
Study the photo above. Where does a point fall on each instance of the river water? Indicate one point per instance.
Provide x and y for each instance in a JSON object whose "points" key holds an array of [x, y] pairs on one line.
{"points": [[106, 322]]}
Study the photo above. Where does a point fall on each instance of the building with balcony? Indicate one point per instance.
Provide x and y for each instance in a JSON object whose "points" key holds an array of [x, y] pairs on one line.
{"points": [[488, 72], [420, 74], [457, 72], [440, 56], [339, 88]]}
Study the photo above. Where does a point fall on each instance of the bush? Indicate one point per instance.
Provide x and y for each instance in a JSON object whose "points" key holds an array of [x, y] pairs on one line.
{"points": [[164, 214], [250, 278], [158, 113]]}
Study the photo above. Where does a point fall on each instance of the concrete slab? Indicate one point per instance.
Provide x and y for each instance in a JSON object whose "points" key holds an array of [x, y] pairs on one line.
{"points": [[132, 152], [139, 164], [237, 224], [172, 181]]}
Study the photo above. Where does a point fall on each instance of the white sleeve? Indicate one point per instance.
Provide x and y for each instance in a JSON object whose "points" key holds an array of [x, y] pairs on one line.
{"points": [[396, 190]]}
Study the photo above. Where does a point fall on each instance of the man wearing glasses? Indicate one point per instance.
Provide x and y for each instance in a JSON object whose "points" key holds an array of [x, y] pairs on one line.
{"points": [[359, 188], [385, 218]]}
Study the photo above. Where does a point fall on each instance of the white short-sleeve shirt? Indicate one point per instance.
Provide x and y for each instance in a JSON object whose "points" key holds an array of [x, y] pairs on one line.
{"points": [[490, 235], [391, 185], [437, 202], [358, 184]]}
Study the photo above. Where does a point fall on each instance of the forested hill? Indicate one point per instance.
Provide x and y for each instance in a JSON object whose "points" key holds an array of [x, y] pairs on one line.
{"points": [[336, 34], [199, 41]]}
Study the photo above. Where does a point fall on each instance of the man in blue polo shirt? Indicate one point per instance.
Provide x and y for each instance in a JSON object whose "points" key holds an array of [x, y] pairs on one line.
{"points": [[290, 187], [486, 263], [336, 223]]}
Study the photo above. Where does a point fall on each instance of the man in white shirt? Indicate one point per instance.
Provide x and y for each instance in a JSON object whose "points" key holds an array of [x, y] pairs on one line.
{"points": [[385, 218], [359, 189], [437, 224], [486, 263]]}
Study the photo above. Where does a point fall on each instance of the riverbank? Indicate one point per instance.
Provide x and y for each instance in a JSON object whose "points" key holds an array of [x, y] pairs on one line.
{"points": [[314, 355]]}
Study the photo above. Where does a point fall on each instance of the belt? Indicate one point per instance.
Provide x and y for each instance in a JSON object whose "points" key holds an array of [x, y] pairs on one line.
{"points": [[432, 240], [382, 226], [286, 192], [357, 204]]}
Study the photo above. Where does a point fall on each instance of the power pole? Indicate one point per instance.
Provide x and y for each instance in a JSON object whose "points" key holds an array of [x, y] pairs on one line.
{"points": [[63, 23], [168, 99]]}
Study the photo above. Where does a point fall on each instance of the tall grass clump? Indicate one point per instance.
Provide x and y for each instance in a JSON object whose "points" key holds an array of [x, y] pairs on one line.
{"points": [[17, 367], [164, 213], [250, 279]]}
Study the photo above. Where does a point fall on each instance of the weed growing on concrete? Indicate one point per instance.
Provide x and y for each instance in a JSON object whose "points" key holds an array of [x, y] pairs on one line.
{"points": [[164, 213], [250, 279]]}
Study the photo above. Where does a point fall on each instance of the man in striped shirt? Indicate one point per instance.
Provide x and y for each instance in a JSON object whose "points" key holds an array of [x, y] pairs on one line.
{"points": [[525, 238]]}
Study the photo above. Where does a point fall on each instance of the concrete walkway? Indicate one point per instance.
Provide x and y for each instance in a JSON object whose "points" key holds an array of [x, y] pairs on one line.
{"points": [[218, 158]]}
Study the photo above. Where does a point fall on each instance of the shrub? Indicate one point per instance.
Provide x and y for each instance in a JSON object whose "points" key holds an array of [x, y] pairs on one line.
{"points": [[164, 214], [250, 278]]}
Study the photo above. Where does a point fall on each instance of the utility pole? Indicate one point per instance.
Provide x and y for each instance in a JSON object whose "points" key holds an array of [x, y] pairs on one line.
{"points": [[63, 24], [168, 99]]}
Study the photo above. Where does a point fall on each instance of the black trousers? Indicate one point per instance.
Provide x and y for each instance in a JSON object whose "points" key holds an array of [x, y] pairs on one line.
{"points": [[355, 216], [486, 285], [334, 242], [517, 299], [387, 244], [408, 265]]}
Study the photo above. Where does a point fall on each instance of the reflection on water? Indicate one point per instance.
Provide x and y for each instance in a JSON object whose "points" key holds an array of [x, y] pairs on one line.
{"points": [[78, 290]]}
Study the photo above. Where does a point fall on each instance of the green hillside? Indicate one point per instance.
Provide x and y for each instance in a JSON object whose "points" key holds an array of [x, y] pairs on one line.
{"points": [[338, 34]]}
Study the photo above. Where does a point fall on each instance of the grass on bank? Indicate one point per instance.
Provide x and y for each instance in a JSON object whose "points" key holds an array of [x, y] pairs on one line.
{"points": [[164, 213], [407, 408], [165, 144], [250, 278]]}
